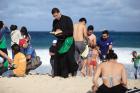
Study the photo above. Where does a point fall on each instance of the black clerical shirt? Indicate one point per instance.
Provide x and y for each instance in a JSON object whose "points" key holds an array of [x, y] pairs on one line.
{"points": [[65, 24]]}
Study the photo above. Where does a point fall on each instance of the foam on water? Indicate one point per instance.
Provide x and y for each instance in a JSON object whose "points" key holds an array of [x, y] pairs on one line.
{"points": [[124, 57], [124, 54]]}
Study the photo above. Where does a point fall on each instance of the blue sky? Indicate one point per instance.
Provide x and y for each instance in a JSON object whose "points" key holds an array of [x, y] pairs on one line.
{"points": [[119, 15]]}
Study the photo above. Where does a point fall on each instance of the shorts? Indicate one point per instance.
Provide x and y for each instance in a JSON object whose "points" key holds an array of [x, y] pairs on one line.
{"points": [[79, 48], [94, 63]]}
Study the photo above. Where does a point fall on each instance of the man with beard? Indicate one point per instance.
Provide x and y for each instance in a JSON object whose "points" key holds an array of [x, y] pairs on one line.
{"points": [[104, 45]]}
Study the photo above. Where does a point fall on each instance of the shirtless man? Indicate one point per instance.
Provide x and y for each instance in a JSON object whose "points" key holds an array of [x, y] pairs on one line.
{"points": [[80, 35], [91, 36]]}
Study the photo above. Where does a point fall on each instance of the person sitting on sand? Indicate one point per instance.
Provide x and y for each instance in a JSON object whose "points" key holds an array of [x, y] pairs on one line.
{"points": [[4, 66], [113, 75], [18, 67], [136, 60], [33, 61]]}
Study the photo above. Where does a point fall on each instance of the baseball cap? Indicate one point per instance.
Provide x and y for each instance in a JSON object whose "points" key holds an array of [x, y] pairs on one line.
{"points": [[54, 41], [22, 42]]}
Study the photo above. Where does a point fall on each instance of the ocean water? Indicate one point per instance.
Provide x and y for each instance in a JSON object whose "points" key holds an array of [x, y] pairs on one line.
{"points": [[120, 39], [123, 44]]}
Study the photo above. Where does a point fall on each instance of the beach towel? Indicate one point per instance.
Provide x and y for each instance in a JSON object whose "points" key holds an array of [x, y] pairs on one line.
{"points": [[66, 45]]}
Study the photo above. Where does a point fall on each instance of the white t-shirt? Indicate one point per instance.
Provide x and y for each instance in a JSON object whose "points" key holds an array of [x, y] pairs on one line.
{"points": [[15, 37]]}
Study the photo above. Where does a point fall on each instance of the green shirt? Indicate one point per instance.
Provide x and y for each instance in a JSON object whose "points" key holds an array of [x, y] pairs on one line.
{"points": [[3, 32], [137, 61], [3, 43], [5, 65]]}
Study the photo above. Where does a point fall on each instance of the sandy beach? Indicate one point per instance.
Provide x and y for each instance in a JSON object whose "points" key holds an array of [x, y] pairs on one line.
{"points": [[47, 84]]}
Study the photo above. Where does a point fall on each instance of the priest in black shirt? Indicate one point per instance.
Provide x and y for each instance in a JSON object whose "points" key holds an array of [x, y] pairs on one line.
{"points": [[64, 63]]}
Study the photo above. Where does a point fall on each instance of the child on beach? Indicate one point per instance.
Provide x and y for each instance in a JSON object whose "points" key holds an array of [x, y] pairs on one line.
{"points": [[3, 45], [136, 60], [25, 34], [92, 61], [4, 65], [52, 51], [15, 34]]}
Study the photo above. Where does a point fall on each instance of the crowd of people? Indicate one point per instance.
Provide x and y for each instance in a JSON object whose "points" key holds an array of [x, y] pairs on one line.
{"points": [[76, 49], [24, 57], [86, 53], [81, 50]]}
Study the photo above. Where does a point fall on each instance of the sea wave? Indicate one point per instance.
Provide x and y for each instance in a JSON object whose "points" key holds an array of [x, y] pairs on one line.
{"points": [[124, 57]]}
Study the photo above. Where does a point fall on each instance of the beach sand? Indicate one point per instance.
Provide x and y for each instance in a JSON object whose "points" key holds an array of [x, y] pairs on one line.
{"points": [[47, 84]]}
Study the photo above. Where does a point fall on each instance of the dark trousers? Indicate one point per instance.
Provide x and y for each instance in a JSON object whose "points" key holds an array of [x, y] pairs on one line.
{"points": [[64, 64], [52, 65]]}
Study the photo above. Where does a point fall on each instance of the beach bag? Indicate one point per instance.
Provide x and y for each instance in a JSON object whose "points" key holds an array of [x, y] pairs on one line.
{"points": [[33, 63], [84, 54], [66, 45]]}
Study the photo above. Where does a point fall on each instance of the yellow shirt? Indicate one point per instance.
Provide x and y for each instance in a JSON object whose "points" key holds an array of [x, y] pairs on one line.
{"points": [[20, 64]]}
